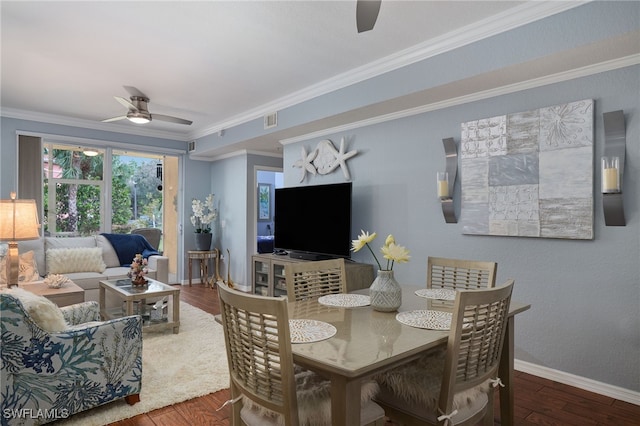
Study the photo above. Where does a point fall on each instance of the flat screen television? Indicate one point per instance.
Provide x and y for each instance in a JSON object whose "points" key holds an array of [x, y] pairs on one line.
{"points": [[313, 222]]}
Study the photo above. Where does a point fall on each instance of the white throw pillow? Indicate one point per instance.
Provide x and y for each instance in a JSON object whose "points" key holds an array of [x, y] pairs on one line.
{"points": [[27, 269], [44, 312], [81, 259]]}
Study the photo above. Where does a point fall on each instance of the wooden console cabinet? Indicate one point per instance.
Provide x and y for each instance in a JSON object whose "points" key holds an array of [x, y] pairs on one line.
{"points": [[268, 277]]}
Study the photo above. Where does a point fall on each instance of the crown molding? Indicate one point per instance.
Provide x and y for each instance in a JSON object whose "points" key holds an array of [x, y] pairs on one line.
{"points": [[477, 96], [96, 143], [88, 124], [518, 16]]}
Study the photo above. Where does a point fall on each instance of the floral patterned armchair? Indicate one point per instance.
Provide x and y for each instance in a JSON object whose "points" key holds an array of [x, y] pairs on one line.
{"points": [[45, 376]]}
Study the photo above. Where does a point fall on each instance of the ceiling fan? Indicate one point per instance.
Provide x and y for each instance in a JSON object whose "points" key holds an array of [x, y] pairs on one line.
{"points": [[367, 14], [138, 112]]}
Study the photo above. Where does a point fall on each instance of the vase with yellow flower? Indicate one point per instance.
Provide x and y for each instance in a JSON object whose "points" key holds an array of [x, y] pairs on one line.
{"points": [[385, 292], [138, 270]]}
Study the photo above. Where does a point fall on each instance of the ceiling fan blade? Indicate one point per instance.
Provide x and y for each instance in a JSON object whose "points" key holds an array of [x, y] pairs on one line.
{"points": [[135, 92], [126, 103], [367, 14], [171, 119], [109, 120]]}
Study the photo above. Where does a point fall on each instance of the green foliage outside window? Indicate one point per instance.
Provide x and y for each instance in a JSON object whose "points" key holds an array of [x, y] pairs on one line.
{"points": [[78, 180]]}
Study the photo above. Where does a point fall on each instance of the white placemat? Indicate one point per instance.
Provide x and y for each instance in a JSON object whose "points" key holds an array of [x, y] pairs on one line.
{"points": [[307, 331], [433, 320], [437, 293], [345, 300]]}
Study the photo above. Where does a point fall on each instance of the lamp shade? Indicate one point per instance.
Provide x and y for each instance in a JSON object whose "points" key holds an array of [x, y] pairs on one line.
{"points": [[18, 220]]}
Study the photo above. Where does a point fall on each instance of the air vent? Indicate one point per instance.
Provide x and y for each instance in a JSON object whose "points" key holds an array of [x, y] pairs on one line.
{"points": [[192, 146], [271, 120]]}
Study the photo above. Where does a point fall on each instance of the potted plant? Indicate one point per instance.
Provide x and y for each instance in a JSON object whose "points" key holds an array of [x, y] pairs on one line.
{"points": [[203, 215]]}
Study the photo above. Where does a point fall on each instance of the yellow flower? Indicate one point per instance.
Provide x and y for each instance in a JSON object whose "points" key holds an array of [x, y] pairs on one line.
{"points": [[390, 240], [363, 239], [396, 253], [391, 251]]}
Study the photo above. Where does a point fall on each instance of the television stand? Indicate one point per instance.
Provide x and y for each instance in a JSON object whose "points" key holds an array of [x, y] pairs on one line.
{"points": [[303, 255], [269, 278]]}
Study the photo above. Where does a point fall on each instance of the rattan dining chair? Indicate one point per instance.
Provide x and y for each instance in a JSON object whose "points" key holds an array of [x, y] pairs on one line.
{"points": [[458, 274], [454, 386], [310, 280], [266, 388]]}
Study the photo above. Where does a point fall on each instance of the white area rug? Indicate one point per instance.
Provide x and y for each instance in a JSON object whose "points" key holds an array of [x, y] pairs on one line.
{"points": [[175, 368]]}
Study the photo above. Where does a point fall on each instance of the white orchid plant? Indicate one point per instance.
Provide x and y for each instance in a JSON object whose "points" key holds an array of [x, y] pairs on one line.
{"points": [[390, 250], [204, 213]]}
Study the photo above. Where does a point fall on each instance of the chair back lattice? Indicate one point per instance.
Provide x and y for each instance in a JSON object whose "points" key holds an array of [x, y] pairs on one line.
{"points": [[457, 274], [310, 280], [475, 341], [256, 331]]}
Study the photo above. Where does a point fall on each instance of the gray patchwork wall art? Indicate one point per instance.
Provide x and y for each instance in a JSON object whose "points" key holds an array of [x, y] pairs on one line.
{"points": [[529, 174]]}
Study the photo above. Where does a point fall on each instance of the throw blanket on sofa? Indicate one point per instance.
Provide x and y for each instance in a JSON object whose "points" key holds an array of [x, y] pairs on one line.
{"points": [[128, 245]]}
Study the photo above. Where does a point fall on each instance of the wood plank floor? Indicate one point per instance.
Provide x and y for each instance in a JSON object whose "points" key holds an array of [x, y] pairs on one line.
{"points": [[538, 401]]}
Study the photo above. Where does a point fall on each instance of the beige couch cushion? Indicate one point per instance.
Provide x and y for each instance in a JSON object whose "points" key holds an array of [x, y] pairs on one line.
{"points": [[109, 254], [71, 242]]}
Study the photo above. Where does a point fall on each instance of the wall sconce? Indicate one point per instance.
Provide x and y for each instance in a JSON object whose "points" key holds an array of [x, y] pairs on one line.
{"points": [[613, 168], [18, 221], [446, 180]]}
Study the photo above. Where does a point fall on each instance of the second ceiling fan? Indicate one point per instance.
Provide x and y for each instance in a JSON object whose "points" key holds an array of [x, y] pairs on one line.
{"points": [[367, 14], [138, 112]]}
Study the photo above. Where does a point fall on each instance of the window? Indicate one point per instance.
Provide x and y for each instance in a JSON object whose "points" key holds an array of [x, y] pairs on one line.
{"points": [[76, 187], [137, 192], [73, 191]]}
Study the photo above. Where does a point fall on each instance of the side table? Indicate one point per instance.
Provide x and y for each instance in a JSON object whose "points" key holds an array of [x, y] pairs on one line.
{"points": [[68, 294], [204, 257]]}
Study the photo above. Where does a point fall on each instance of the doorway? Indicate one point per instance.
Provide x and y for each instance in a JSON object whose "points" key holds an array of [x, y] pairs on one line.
{"points": [[267, 181]]}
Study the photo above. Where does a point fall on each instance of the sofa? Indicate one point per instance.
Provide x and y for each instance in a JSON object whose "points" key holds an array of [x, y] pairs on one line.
{"points": [[57, 362], [84, 260]]}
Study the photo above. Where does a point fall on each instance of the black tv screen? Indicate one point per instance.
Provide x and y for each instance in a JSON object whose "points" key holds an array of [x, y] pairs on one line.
{"points": [[313, 222]]}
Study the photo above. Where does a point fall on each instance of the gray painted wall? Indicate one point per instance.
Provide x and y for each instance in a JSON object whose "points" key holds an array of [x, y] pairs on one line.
{"points": [[585, 295]]}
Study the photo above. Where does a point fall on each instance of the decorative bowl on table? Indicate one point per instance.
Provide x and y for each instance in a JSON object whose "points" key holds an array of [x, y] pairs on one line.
{"points": [[56, 280]]}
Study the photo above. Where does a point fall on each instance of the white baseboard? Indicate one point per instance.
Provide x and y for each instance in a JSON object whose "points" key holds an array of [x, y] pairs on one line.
{"points": [[590, 385]]}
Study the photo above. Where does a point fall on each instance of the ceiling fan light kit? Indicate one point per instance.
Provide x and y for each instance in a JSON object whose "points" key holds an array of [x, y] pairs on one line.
{"points": [[138, 112], [138, 117]]}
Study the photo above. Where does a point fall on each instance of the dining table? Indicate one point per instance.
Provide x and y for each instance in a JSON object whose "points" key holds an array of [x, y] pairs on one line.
{"points": [[367, 342]]}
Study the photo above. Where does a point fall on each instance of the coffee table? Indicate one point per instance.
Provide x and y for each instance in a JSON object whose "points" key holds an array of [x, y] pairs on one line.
{"points": [[130, 294]]}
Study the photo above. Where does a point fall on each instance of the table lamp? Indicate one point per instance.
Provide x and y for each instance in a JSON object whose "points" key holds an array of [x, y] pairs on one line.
{"points": [[18, 222]]}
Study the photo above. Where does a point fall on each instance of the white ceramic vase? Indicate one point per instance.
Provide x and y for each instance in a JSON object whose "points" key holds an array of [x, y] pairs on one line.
{"points": [[385, 292]]}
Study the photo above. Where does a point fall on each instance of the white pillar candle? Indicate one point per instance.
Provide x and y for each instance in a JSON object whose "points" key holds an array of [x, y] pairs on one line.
{"points": [[610, 180], [443, 188], [443, 184], [610, 174]]}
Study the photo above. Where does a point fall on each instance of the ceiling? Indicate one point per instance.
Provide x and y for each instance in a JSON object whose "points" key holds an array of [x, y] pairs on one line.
{"points": [[216, 63]]}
